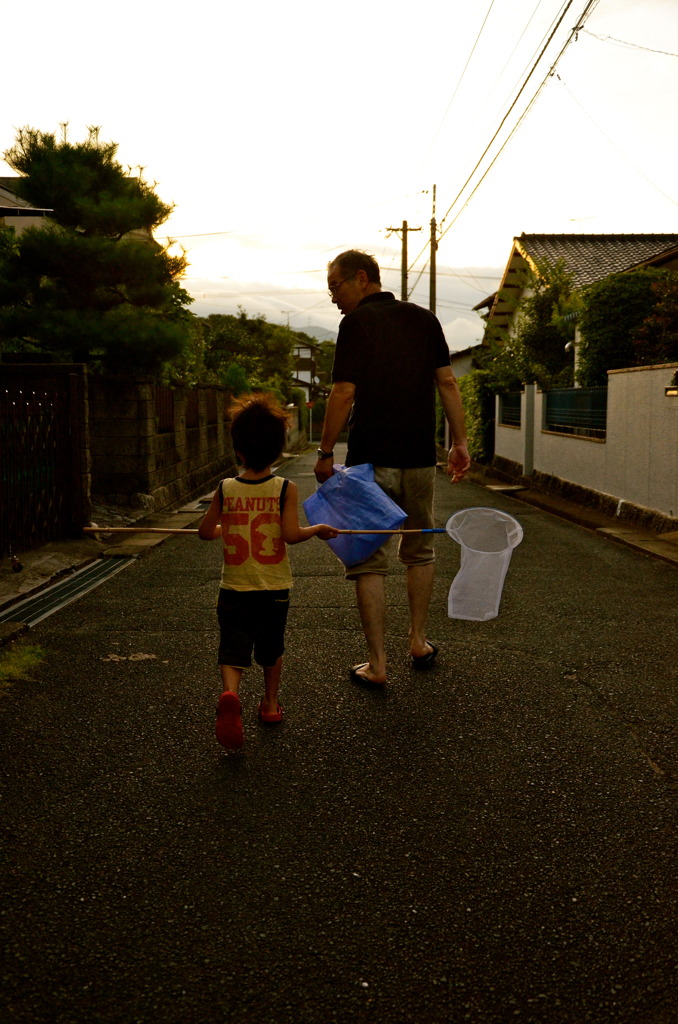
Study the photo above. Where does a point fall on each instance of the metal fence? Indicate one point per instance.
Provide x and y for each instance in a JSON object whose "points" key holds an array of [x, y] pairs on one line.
{"points": [[579, 411], [41, 485], [509, 409]]}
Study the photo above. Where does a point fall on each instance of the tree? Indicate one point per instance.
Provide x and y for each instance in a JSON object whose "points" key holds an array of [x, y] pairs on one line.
{"points": [[262, 351], [91, 285], [8, 254], [535, 349], [325, 361], [235, 378], [613, 311], [656, 340]]}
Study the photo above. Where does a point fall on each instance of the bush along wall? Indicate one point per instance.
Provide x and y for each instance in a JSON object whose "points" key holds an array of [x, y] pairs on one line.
{"points": [[477, 393]]}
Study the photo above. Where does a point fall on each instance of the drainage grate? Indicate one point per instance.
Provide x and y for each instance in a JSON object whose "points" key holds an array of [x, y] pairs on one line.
{"points": [[34, 609]]}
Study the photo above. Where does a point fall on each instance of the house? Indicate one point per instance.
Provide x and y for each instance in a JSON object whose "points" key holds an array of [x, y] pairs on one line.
{"points": [[553, 438], [465, 360], [16, 213], [588, 258], [306, 357]]}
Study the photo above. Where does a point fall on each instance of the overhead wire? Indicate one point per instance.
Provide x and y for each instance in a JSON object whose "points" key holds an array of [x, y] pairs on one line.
{"points": [[203, 234], [614, 145], [588, 9], [624, 42], [519, 40], [503, 121], [585, 14], [460, 79], [546, 40]]}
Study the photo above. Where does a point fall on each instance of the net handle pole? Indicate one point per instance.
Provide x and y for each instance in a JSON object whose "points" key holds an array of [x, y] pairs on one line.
{"points": [[158, 529], [131, 529], [438, 529]]}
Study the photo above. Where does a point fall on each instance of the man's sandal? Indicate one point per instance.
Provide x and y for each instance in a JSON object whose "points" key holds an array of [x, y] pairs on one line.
{"points": [[425, 660]]}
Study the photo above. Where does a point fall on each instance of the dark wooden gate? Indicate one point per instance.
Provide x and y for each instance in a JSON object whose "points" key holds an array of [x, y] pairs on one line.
{"points": [[42, 421]]}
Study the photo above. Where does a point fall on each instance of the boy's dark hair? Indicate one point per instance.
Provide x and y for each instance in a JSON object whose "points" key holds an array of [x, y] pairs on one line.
{"points": [[353, 260], [258, 430]]}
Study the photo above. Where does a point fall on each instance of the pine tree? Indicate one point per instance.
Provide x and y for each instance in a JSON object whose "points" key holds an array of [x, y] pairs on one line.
{"points": [[91, 285]]}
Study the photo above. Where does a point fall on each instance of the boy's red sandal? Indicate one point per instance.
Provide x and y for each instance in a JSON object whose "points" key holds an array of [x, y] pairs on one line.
{"points": [[269, 716], [228, 728]]}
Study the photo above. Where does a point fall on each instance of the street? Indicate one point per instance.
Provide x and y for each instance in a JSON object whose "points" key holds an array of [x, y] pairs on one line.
{"points": [[489, 841]]}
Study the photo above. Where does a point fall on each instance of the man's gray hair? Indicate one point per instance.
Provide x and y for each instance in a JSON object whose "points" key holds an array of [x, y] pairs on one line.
{"points": [[353, 260]]}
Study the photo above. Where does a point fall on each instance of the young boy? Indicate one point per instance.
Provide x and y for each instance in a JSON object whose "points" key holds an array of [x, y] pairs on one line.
{"points": [[255, 514]]}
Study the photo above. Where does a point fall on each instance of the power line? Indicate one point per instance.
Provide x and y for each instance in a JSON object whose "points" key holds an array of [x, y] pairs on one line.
{"points": [[511, 108], [632, 46], [615, 146], [472, 277], [585, 14], [535, 63], [456, 88], [357, 209], [529, 22], [204, 234], [418, 277]]}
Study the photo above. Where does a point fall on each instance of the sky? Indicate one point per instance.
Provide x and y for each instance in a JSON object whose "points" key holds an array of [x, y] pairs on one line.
{"points": [[285, 133]]}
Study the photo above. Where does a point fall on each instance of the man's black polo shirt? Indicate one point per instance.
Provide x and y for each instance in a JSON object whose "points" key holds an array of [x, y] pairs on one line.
{"points": [[390, 350]]}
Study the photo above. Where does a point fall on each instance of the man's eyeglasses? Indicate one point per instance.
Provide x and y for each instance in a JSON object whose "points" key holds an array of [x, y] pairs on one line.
{"points": [[334, 288]]}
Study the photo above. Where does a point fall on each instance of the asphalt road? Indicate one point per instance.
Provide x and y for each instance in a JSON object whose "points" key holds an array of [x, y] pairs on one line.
{"points": [[491, 841]]}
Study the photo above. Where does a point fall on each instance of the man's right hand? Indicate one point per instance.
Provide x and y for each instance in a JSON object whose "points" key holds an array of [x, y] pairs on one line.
{"points": [[323, 469], [458, 462]]}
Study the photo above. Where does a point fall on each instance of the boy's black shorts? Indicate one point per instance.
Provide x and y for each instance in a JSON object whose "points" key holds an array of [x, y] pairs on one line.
{"points": [[252, 620]]}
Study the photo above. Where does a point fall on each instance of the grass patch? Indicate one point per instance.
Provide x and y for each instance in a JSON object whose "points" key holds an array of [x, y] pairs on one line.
{"points": [[18, 663]]}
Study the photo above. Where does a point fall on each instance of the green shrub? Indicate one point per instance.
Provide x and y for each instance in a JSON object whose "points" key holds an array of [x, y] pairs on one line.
{"points": [[477, 393], [299, 399], [614, 310]]}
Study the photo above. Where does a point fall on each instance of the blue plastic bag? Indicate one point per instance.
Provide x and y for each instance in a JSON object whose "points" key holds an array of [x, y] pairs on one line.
{"points": [[351, 500]]}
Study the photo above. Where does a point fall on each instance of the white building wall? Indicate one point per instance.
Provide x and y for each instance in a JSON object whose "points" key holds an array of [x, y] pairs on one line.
{"points": [[563, 454], [509, 442], [643, 422], [462, 363], [638, 461]]}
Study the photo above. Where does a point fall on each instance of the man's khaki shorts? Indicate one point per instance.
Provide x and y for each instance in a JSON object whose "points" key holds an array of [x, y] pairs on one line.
{"points": [[412, 489]]}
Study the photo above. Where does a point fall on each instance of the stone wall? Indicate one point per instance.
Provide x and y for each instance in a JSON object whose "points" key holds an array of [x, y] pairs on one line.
{"points": [[154, 447]]}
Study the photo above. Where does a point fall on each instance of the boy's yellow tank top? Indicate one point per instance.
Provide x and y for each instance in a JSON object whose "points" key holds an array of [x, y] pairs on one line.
{"points": [[255, 555]]}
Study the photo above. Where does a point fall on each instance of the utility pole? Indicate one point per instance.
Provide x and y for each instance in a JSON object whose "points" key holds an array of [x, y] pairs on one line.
{"points": [[434, 247], [403, 265]]}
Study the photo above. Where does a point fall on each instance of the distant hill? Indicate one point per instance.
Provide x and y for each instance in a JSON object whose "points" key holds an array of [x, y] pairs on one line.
{"points": [[319, 333]]}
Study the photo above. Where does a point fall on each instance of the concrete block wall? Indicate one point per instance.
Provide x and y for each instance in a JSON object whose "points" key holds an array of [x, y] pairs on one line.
{"points": [[135, 463]]}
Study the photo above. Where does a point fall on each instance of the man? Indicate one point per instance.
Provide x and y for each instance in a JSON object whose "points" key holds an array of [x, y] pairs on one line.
{"points": [[390, 358]]}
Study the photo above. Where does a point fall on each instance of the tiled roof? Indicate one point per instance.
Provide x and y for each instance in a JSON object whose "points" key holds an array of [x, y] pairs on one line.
{"points": [[592, 257], [588, 258]]}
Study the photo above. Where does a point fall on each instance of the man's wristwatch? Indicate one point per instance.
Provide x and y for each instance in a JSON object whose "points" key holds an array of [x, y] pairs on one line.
{"points": [[324, 455]]}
